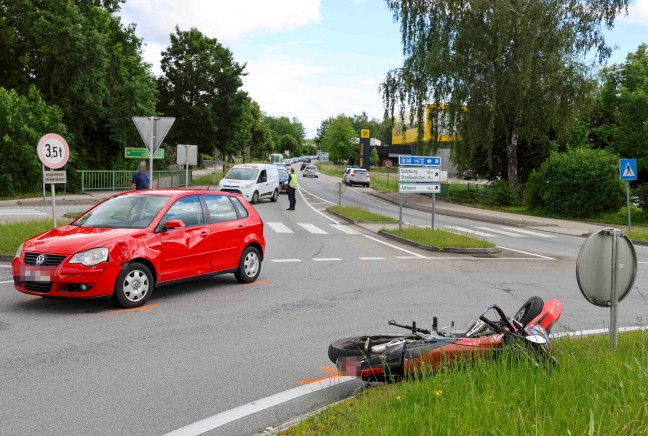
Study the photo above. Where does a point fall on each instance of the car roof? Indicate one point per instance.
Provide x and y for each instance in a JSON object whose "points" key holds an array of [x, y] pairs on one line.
{"points": [[177, 192]]}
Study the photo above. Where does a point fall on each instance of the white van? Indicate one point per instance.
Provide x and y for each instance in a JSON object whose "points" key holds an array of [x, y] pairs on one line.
{"points": [[254, 181]]}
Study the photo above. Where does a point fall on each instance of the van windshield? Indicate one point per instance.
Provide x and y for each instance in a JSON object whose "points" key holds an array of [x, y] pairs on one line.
{"points": [[242, 174]]}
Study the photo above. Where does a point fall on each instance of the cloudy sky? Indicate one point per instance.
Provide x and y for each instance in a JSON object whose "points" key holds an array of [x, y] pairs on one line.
{"points": [[311, 59]]}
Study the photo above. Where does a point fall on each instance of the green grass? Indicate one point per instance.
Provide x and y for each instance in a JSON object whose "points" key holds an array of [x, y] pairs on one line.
{"points": [[592, 390], [358, 214], [440, 238], [15, 233], [637, 234], [331, 169], [206, 179]]}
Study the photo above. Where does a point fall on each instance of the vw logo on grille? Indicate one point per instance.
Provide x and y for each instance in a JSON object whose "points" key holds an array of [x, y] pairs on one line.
{"points": [[41, 259]]}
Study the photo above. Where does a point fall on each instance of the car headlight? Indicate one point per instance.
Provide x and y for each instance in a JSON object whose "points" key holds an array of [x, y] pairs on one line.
{"points": [[91, 257], [19, 251], [247, 186]]}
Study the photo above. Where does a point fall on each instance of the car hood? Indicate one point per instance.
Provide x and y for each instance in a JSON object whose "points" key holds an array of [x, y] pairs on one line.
{"points": [[69, 239]]}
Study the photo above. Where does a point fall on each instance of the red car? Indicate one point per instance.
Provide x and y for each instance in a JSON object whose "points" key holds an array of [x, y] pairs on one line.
{"points": [[127, 245]]}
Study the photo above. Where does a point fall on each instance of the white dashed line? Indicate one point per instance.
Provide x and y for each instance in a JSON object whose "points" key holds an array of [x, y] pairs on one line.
{"points": [[6, 281], [394, 246], [285, 260], [528, 232], [372, 258], [326, 259]]}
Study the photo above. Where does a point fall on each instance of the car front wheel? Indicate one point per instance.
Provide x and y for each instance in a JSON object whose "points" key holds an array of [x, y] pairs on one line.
{"points": [[249, 266], [134, 286]]}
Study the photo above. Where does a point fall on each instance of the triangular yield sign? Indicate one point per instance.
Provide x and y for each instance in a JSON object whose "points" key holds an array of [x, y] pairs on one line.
{"points": [[628, 171], [160, 126]]}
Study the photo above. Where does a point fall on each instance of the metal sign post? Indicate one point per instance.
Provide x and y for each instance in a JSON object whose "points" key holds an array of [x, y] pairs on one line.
{"points": [[400, 213], [388, 164], [54, 152], [433, 208], [628, 172], [340, 188], [153, 130], [606, 269]]}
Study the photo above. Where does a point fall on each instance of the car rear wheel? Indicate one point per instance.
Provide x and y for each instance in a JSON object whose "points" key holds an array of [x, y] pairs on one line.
{"points": [[134, 286], [249, 266], [275, 196], [255, 197]]}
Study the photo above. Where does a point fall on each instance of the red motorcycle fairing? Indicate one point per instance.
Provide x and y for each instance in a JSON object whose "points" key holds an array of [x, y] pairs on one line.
{"points": [[416, 360], [551, 312]]}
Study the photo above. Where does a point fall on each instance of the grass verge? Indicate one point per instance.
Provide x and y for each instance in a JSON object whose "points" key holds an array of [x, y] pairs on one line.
{"points": [[358, 214], [15, 233], [592, 390], [206, 179], [440, 238]]}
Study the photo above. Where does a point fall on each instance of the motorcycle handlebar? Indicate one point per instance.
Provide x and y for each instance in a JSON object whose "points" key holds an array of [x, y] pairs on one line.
{"points": [[412, 327], [496, 328]]}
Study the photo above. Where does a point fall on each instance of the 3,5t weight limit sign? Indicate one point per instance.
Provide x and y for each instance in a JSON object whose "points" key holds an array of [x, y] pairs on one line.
{"points": [[53, 151]]}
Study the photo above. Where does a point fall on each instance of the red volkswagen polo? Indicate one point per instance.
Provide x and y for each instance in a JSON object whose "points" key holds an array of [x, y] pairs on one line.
{"points": [[128, 244]]}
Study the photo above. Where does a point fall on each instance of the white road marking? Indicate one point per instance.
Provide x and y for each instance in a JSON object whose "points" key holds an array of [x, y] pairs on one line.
{"points": [[596, 332], [528, 232], [326, 259], [285, 260], [411, 257], [300, 189], [6, 281], [312, 228], [319, 198], [9, 266], [465, 230], [502, 232], [394, 246], [526, 252], [22, 212], [346, 229], [279, 227], [372, 258], [218, 420]]}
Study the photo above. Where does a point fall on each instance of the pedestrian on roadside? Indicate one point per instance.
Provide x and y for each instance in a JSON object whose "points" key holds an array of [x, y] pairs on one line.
{"points": [[292, 189], [141, 179]]}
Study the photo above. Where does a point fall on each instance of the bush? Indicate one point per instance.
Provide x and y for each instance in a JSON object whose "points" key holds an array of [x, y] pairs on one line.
{"points": [[642, 193], [579, 183], [533, 194], [503, 193]]}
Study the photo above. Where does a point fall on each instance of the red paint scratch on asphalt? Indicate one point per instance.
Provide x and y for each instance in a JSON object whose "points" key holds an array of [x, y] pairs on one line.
{"points": [[146, 309], [260, 282]]}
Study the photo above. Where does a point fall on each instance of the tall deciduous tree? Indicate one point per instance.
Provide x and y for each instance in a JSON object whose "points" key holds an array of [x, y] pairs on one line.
{"points": [[339, 139], [501, 67], [621, 115], [200, 88]]}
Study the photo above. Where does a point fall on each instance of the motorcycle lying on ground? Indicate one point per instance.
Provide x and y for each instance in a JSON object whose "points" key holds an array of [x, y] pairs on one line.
{"points": [[392, 357]]}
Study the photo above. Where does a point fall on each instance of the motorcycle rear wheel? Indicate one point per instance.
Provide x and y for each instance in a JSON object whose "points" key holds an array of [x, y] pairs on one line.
{"points": [[529, 310], [354, 347]]}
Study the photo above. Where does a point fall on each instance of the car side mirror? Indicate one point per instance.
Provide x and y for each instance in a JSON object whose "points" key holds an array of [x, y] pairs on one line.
{"points": [[173, 224]]}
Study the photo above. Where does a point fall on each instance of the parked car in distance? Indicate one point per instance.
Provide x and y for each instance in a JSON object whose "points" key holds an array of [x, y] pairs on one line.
{"points": [[253, 181], [284, 178], [356, 176], [469, 175], [310, 171], [128, 245]]}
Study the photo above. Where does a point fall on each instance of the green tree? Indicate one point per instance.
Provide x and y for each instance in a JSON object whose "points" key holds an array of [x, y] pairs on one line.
{"points": [[374, 159], [288, 143], [321, 131], [200, 87], [507, 68], [339, 139], [261, 142], [283, 125], [80, 58], [23, 120], [620, 120]]}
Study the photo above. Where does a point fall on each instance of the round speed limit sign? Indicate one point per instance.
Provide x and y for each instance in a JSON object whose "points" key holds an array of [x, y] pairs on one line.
{"points": [[53, 151], [388, 163]]}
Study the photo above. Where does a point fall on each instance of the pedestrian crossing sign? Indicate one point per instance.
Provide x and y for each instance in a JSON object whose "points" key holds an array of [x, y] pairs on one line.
{"points": [[628, 169]]}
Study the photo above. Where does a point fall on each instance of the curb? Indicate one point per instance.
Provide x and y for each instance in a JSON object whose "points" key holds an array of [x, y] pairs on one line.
{"points": [[453, 250], [351, 221]]}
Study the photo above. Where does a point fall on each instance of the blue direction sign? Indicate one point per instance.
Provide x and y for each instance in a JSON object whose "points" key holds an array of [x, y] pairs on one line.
{"points": [[628, 169], [420, 161]]}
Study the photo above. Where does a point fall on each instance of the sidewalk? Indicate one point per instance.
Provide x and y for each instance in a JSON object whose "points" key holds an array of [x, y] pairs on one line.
{"points": [[424, 203]]}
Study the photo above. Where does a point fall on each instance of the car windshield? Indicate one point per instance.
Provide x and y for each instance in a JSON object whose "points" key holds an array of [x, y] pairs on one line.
{"points": [[283, 174], [242, 174], [124, 212], [310, 167], [360, 171]]}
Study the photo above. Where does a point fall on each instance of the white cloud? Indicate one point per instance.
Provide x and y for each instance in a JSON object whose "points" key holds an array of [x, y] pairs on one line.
{"points": [[229, 21], [310, 92], [637, 13]]}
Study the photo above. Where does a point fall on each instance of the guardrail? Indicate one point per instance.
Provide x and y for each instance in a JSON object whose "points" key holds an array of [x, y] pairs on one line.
{"points": [[106, 180]]}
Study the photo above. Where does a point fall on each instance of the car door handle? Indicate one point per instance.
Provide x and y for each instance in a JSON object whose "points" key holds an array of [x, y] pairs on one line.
{"points": [[204, 233]]}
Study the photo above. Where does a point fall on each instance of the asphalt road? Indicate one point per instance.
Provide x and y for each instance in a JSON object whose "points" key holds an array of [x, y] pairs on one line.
{"points": [[204, 347]]}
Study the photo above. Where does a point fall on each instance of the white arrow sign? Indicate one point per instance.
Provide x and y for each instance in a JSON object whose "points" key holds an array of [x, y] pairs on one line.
{"points": [[425, 175], [419, 187], [153, 130]]}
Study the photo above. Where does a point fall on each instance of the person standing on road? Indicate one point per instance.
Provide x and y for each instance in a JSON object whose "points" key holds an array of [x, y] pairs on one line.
{"points": [[141, 179], [292, 189]]}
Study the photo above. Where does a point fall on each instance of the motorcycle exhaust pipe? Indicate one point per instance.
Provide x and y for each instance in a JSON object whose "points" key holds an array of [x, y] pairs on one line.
{"points": [[379, 349]]}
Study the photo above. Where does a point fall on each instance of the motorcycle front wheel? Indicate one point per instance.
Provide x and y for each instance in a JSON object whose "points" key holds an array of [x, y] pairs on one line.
{"points": [[355, 346]]}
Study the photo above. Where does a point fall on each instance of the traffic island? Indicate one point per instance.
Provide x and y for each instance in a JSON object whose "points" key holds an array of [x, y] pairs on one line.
{"points": [[356, 215], [440, 240]]}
